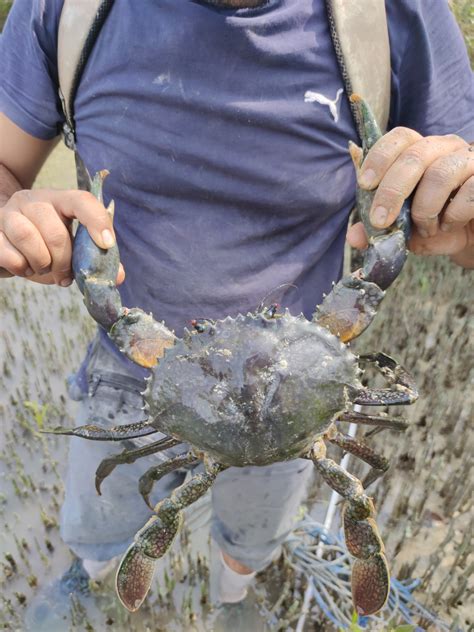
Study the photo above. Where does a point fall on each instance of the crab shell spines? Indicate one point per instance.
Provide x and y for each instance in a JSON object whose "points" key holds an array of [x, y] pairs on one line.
{"points": [[252, 390]]}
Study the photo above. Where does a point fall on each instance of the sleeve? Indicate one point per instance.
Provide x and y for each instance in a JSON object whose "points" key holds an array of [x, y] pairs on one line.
{"points": [[28, 78], [432, 81]]}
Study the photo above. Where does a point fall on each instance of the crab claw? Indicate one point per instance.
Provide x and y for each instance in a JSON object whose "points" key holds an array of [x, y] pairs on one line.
{"points": [[136, 334], [351, 306], [141, 337]]}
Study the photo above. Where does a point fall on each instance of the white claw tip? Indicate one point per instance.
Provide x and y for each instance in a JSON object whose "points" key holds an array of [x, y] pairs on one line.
{"points": [[111, 209]]}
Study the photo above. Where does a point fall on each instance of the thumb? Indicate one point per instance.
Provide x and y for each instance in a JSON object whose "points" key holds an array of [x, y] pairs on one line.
{"points": [[120, 275], [356, 236]]}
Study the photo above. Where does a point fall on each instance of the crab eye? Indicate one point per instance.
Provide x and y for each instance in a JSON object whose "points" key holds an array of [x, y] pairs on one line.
{"points": [[271, 310], [200, 325]]}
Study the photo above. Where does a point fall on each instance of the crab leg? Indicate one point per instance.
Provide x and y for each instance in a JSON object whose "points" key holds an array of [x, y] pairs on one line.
{"points": [[107, 466], [351, 306], [136, 569], [370, 573], [135, 333], [99, 433], [404, 393], [382, 422], [154, 474], [362, 450]]}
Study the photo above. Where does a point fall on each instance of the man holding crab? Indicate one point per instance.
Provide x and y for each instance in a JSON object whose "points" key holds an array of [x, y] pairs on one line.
{"points": [[227, 182]]}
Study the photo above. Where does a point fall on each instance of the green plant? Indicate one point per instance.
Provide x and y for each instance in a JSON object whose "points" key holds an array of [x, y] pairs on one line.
{"points": [[38, 412], [355, 627], [464, 14], [5, 6]]}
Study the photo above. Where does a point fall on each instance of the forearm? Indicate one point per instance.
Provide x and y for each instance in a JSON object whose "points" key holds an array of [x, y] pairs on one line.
{"points": [[8, 185]]}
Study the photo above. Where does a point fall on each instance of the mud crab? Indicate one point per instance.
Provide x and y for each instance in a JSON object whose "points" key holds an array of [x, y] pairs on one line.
{"points": [[252, 390]]}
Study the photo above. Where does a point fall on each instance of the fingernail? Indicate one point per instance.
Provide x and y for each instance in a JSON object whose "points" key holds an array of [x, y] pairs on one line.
{"points": [[367, 178], [29, 272], [45, 271], [108, 238], [446, 228], [423, 233], [65, 282], [379, 216]]}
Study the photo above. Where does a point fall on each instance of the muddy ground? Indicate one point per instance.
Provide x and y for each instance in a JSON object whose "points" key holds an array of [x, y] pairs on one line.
{"points": [[425, 500]]}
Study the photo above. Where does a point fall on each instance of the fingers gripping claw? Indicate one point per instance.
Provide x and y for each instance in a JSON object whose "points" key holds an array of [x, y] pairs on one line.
{"points": [[351, 306], [136, 333], [95, 270], [386, 254]]}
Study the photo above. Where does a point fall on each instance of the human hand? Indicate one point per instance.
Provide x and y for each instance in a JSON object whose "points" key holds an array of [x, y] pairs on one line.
{"points": [[35, 233], [441, 169]]}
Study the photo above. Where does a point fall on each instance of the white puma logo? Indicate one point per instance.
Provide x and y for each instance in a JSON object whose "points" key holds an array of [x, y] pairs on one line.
{"points": [[311, 96]]}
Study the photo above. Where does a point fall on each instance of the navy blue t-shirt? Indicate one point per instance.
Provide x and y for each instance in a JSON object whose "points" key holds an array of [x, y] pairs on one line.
{"points": [[228, 182]]}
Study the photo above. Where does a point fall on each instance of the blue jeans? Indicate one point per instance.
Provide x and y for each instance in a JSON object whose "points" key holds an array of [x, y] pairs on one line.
{"points": [[254, 508]]}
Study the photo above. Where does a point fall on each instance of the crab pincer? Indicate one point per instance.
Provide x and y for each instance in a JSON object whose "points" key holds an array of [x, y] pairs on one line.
{"points": [[137, 334], [350, 308]]}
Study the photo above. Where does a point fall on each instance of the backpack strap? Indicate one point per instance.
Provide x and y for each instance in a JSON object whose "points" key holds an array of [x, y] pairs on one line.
{"points": [[358, 30], [360, 35], [79, 25]]}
